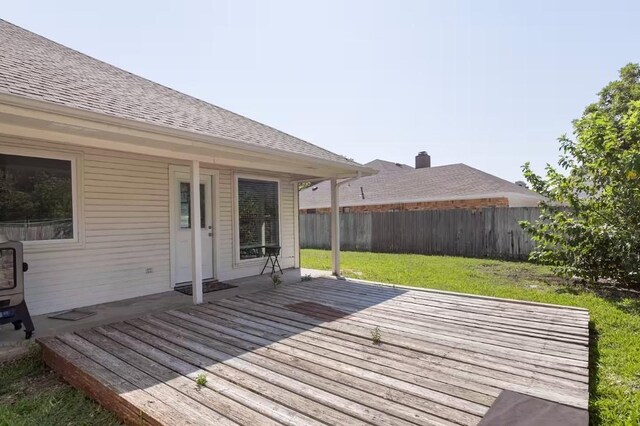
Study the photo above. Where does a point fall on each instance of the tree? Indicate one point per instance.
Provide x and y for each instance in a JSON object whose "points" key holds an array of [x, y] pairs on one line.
{"points": [[590, 225]]}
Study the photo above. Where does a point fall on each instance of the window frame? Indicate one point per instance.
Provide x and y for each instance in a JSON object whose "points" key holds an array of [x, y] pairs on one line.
{"points": [[74, 158], [236, 217]]}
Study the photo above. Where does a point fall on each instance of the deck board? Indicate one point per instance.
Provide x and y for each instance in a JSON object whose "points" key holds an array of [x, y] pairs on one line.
{"points": [[303, 355]]}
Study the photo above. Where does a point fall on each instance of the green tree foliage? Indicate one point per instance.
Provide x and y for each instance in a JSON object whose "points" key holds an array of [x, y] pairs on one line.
{"points": [[38, 196], [590, 225]]}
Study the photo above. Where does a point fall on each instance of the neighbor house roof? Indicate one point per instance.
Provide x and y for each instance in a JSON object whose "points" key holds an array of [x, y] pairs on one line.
{"points": [[387, 166], [34, 67], [406, 184]]}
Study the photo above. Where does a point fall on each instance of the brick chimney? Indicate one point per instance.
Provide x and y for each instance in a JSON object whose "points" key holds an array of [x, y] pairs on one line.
{"points": [[423, 160]]}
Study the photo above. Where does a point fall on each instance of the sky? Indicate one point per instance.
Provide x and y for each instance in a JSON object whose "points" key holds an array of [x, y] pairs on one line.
{"points": [[491, 84]]}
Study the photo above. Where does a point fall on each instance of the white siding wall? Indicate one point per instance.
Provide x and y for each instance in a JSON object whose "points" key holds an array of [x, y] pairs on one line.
{"points": [[124, 229]]}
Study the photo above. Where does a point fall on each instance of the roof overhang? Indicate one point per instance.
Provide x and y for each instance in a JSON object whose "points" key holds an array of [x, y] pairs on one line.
{"points": [[39, 120]]}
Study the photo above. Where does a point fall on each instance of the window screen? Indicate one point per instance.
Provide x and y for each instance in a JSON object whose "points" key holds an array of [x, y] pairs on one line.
{"points": [[36, 198], [258, 220]]}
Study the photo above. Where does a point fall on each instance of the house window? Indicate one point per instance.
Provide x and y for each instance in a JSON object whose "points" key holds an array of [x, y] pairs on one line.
{"points": [[36, 198], [258, 217]]}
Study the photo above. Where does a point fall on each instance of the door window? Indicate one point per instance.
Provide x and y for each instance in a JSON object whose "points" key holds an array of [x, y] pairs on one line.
{"points": [[185, 206]]}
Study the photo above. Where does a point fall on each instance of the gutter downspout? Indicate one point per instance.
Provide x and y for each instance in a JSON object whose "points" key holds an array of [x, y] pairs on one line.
{"points": [[335, 222]]}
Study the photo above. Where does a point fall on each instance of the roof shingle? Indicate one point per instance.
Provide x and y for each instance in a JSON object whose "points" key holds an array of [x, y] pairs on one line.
{"points": [[451, 182], [34, 67]]}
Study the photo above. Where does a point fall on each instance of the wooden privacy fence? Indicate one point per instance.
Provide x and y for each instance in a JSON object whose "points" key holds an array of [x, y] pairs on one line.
{"points": [[490, 232]]}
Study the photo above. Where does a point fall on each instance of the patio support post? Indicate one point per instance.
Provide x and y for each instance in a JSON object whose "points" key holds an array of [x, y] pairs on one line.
{"points": [[196, 235], [335, 227]]}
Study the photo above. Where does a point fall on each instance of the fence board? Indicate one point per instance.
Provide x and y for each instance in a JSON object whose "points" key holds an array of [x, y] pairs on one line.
{"points": [[490, 232]]}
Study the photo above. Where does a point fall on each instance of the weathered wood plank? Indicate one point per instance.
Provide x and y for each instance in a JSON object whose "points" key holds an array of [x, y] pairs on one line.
{"points": [[573, 334], [460, 353], [252, 353], [385, 375], [500, 354], [412, 364], [199, 394], [334, 409], [414, 303], [458, 298], [131, 404], [356, 309], [475, 363], [186, 411], [355, 366], [513, 309], [569, 395], [303, 354], [255, 393]]}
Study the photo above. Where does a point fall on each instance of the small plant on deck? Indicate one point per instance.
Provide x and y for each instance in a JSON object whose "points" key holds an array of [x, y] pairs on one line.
{"points": [[275, 278], [201, 380], [376, 336]]}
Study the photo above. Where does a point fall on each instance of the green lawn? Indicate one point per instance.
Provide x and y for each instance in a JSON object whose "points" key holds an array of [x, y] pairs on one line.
{"points": [[615, 315], [31, 394]]}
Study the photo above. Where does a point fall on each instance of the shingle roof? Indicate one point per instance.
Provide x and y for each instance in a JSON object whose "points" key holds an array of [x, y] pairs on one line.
{"points": [[34, 67], [387, 166], [451, 182]]}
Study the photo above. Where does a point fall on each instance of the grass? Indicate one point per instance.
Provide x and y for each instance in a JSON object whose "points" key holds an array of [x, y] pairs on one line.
{"points": [[31, 394], [615, 315], [201, 380], [376, 336]]}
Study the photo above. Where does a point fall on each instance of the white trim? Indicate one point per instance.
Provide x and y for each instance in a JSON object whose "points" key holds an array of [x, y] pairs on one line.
{"points": [[237, 262], [75, 158], [296, 226], [185, 142], [174, 170]]}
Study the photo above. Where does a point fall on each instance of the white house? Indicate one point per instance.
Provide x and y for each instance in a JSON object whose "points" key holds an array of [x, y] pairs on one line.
{"points": [[121, 187]]}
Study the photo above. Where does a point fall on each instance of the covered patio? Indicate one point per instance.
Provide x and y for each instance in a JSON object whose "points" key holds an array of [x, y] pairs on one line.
{"points": [[329, 352], [105, 313]]}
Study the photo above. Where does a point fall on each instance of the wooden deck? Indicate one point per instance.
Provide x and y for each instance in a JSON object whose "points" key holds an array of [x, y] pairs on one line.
{"points": [[303, 354]]}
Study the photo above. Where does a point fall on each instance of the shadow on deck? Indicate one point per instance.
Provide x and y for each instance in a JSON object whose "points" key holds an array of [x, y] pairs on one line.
{"points": [[304, 354]]}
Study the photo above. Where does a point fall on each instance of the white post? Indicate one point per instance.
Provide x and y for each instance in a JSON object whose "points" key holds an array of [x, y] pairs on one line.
{"points": [[296, 225], [335, 227], [196, 235]]}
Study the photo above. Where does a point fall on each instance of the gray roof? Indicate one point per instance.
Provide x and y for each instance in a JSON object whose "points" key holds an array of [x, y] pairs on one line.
{"points": [[34, 67], [387, 166], [451, 182]]}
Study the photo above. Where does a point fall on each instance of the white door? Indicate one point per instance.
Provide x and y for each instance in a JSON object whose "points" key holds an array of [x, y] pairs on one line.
{"points": [[182, 227]]}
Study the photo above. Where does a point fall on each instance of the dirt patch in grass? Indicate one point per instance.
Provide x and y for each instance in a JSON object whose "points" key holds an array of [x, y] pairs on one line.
{"points": [[521, 274]]}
